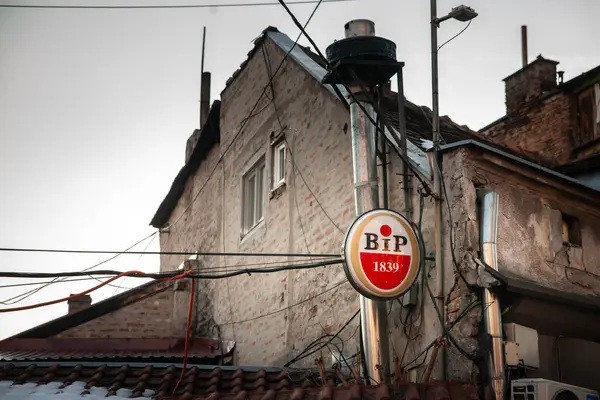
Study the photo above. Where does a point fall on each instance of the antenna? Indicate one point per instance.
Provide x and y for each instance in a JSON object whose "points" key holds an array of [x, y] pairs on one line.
{"points": [[202, 116]]}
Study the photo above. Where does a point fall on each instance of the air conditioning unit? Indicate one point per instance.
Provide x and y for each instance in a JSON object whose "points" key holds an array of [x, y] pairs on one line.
{"points": [[543, 389]]}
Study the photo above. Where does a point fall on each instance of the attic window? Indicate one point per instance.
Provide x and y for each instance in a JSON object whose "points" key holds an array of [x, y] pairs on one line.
{"points": [[571, 232]]}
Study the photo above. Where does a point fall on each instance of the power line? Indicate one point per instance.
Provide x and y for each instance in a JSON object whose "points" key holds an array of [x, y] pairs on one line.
{"points": [[244, 271], [48, 282], [168, 253], [226, 5], [242, 125], [335, 286], [328, 64], [23, 296]]}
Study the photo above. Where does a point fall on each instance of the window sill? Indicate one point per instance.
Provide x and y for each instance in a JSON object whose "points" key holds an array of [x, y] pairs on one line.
{"points": [[250, 232], [277, 191]]}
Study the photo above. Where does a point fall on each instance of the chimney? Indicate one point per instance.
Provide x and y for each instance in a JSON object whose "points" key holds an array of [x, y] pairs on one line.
{"points": [[79, 303], [204, 98], [529, 83]]}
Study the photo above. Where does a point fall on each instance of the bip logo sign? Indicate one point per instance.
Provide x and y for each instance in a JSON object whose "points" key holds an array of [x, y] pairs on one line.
{"points": [[382, 254]]}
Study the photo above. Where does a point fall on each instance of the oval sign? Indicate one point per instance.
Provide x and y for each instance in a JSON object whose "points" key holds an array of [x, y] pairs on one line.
{"points": [[382, 254]]}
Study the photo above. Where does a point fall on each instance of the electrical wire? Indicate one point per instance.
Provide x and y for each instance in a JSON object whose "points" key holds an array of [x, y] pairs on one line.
{"points": [[162, 275], [222, 5], [187, 337], [448, 328], [48, 303], [302, 354], [447, 332], [335, 286], [455, 36], [168, 253], [23, 296], [241, 128], [54, 281], [330, 68]]}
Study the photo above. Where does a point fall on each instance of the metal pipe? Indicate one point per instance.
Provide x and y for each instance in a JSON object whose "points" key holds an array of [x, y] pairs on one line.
{"points": [[524, 44], [373, 314], [383, 155], [406, 183], [366, 196], [492, 313], [438, 221]]}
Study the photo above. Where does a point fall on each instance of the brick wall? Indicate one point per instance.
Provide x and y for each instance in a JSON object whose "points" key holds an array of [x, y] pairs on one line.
{"points": [[543, 127], [158, 312]]}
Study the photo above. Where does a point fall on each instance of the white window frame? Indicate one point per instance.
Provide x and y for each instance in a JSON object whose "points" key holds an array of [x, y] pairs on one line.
{"points": [[278, 173], [253, 196]]}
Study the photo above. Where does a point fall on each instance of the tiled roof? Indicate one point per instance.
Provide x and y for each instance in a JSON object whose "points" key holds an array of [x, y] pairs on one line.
{"points": [[201, 350], [225, 383]]}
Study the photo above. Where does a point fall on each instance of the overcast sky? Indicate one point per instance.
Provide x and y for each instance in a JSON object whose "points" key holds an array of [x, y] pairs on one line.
{"points": [[96, 106]]}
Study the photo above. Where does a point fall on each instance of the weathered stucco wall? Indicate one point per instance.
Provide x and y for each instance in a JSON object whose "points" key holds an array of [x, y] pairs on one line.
{"points": [[530, 245], [260, 312]]}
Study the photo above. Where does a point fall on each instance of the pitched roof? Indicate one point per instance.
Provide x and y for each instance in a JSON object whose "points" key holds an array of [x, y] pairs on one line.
{"points": [[208, 136], [201, 350], [223, 383], [96, 310]]}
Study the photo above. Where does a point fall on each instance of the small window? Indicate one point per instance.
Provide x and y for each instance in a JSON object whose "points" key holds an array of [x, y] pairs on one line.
{"points": [[278, 164], [252, 197], [571, 233]]}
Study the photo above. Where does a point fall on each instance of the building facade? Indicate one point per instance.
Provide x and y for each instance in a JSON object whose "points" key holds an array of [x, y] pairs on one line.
{"points": [[271, 172]]}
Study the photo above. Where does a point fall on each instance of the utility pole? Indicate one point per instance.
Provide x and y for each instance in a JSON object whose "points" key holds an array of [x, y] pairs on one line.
{"points": [[373, 314], [437, 192]]}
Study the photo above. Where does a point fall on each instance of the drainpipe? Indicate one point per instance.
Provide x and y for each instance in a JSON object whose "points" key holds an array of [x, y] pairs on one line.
{"points": [[491, 310], [373, 314]]}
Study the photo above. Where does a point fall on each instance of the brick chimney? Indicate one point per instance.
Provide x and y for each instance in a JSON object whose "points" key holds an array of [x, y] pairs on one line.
{"points": [[79, 303], [529, 83]]}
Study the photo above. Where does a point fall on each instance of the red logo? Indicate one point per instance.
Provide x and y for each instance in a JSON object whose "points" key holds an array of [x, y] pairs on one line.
{"points": [[382, 254]]}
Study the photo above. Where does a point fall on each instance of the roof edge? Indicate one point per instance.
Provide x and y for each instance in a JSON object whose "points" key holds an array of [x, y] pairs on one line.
{"points": [[99, 309], [210, 135], [483, 146]]}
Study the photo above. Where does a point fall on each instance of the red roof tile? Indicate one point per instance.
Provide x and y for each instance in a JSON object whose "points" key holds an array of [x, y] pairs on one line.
{"points": [[226, 383], [201, 350]]}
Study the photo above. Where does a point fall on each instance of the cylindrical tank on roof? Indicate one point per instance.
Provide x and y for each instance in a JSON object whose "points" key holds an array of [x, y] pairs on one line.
{"points": [[360, 27]]}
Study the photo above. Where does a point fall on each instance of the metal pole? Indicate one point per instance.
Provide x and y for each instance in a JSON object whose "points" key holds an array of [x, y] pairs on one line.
{"points": [[491, 311], [439, 264], [202, 76], [406, 184], [373, 314], [383, 155], [524, 45]]}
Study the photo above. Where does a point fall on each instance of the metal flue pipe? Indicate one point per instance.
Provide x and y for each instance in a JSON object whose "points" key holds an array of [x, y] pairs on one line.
{"points": [[373, 314], [491, 306]]}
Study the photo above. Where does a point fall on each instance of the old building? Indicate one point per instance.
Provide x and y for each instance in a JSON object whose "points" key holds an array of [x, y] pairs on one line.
{"points": [[557, 120], [271, 172]]}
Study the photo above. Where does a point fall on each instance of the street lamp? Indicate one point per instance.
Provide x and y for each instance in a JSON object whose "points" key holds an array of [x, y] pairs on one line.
{"points": [[460, 13]]}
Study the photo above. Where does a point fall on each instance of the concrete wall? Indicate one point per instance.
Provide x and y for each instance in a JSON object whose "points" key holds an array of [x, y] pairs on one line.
{"points": [[158, 312]]}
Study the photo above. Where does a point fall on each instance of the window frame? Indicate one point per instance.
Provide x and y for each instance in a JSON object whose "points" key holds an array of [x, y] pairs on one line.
{"points": [[256, 171], [279, 175]]}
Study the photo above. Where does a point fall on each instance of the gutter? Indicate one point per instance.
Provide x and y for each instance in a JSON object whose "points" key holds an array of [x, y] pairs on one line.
{"points": [[474, 143]]}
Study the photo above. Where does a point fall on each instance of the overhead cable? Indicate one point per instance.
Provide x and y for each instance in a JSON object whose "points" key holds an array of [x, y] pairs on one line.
{"points": [[335, 286], [18, 298], [127, 7], [163, 253], [138, 274], [312, 42], [243, 123]]}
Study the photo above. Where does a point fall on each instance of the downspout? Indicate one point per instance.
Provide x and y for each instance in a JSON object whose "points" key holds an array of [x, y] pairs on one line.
{"points": [[491, 311]]}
